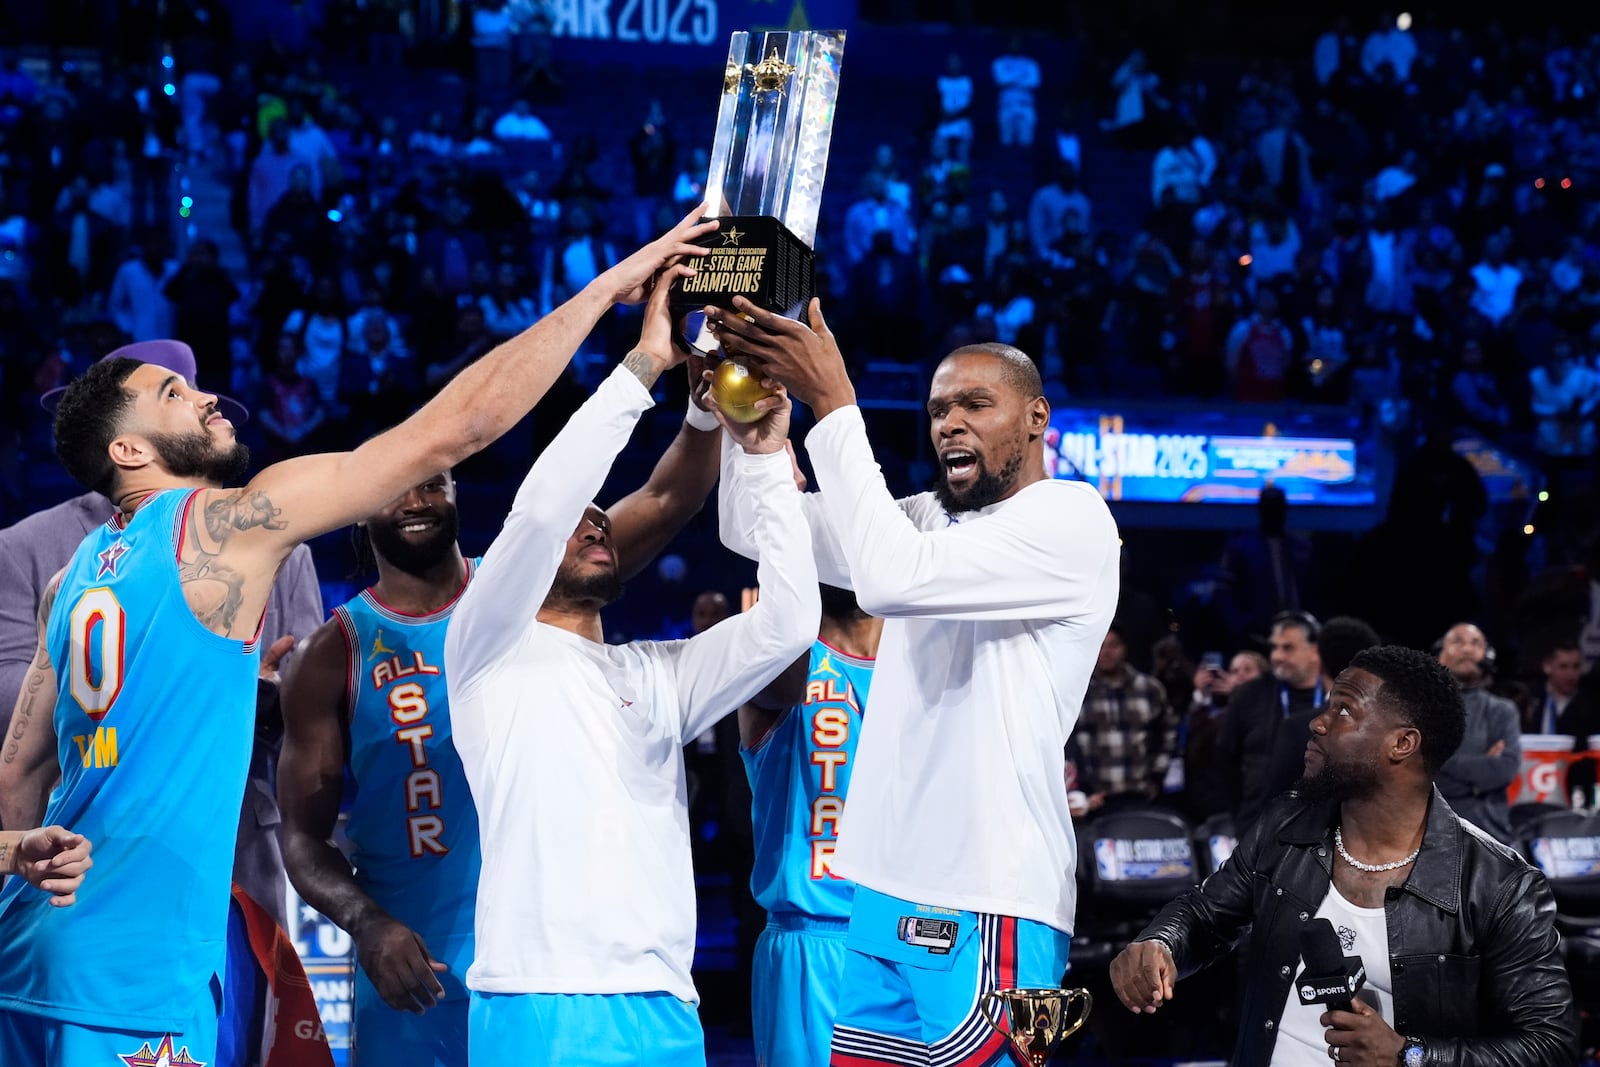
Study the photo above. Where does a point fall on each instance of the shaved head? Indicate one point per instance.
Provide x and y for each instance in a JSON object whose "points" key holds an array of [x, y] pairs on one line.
{"points": [[1017, 367]]}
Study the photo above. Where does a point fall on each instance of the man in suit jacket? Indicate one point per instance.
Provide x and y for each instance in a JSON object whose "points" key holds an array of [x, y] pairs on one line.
{"points": [[1563, 704]]}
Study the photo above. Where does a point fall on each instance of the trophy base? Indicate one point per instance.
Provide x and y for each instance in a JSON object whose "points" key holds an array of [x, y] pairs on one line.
{"points": [[753, 256]]}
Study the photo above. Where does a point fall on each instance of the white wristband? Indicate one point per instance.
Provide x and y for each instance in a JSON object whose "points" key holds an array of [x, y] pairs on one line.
{"points": [[699, 418]]}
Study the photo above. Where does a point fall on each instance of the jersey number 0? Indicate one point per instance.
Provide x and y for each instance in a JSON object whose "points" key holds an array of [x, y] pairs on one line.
{"points": [[98, 624]]}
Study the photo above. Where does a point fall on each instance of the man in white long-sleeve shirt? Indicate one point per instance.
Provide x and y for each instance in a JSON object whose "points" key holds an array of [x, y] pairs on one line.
{"points": [[573, 748], [996, 591]]}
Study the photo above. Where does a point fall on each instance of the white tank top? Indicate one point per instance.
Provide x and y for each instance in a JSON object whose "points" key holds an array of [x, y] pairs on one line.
{"points": [[1362, 932]]}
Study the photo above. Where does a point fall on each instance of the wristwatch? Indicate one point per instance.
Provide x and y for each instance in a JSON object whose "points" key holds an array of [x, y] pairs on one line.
{"points": [[1412, 1052]]}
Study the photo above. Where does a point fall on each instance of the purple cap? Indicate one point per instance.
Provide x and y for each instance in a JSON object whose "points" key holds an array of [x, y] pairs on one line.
{"points": [[176, 357]]}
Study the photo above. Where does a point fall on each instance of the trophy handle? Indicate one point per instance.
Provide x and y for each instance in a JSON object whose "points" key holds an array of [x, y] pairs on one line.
{"points": [[993, 996], [1074, 995]]}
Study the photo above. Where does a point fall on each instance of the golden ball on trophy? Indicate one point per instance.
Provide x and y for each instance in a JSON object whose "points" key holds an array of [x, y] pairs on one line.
{"points": [[735, 390]]}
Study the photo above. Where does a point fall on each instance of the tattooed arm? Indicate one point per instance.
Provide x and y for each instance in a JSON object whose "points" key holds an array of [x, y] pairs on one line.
{"points": [[236, 539], [28, 761]]}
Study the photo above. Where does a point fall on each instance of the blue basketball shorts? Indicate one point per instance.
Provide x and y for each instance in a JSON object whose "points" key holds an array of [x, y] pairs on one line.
{"points": [[913, 976], [584, 1030], [41, 1042], [383, 1036], [794, 989]]}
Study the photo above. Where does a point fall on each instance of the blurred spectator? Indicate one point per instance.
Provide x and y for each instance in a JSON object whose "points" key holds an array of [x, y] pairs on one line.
{"points": [[271, 174], [294, 407], [652, 151], [1265, 570], [202, 295], [323, 336], [378, 381], [1207, 782], [1325, 363], [1134, 87], [1201, 325], [1476, 778], [521, 124], [137, 303], [1267, 722], [1495, 282], [1388, 45], [1335, 49], [689, 187], [887, 167], [1260, 351], [1057, 208], [876, 212], [507, 309], [1127, 733], [1558, 706], [83, 245], [1563, 396], [1338, 641], [1016, 76], [1182, 167], [310, 143], [1480, 403], [954, 129], [434, 138]]}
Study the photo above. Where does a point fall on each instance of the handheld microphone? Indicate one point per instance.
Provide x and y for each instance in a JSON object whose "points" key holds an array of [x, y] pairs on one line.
{"points": [[1329, 977]]}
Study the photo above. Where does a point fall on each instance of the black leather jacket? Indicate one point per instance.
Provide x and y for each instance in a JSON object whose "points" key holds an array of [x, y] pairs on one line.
{"points": [[1473, 949]]}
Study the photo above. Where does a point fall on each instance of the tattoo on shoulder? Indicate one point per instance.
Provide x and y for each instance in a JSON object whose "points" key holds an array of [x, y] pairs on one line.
{"points": [[231, 513], [639, 364], [214, 588]]}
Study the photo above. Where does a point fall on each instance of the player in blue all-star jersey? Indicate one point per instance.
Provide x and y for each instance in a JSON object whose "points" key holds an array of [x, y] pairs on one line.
{"points": [[149, 651], [798, 740], [369, 691]]}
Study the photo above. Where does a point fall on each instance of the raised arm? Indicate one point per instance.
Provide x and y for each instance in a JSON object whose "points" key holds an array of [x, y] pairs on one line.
{"points": [[724, 667], [251, 530], [644, 521], [515, 577], [29, 765], [315, 700], [1051, 552], [759, 714], [736, 516]]}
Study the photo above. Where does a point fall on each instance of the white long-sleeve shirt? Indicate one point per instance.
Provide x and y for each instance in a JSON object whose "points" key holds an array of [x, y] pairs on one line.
{"points": [[573, 749], [994, 619]]}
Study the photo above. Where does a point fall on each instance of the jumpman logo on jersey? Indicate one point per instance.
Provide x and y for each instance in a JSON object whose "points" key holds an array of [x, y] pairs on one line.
{"points": [[161, 1056], [379, 648], [825, 666], [108, 559]]}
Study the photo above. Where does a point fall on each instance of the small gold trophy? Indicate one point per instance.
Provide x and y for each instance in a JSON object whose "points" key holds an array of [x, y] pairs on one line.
{"points": [[768, 156], [1036, 1020]]}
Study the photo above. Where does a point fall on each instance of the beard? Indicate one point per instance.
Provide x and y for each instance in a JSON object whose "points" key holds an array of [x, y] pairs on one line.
{"points": [[1336, 782], [198, 455], [601, 587], [987, 488], [416, 557]]}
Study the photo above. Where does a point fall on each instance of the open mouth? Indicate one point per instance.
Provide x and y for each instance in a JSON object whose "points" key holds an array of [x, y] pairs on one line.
{"points": [[959, 465], [414, 527]]}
